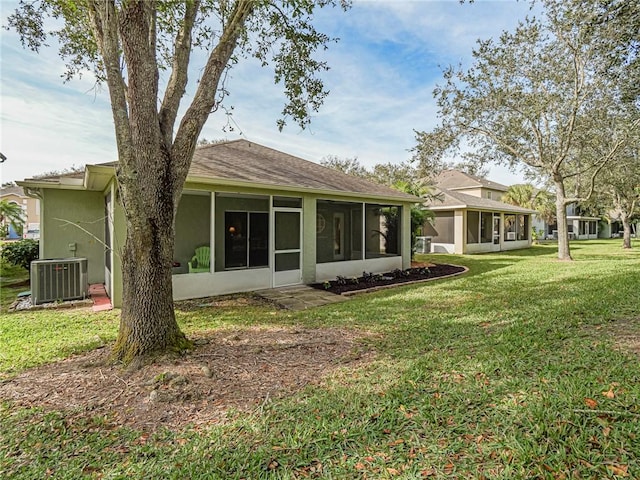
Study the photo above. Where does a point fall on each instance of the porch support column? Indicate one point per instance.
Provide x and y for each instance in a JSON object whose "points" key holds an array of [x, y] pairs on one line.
{"points": [[212, 233], [460, 231], [405, 232], [309, 256]]}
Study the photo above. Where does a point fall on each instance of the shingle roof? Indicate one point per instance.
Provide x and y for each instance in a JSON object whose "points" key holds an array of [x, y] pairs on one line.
{"points": [[244, 161], [451, 199], [241, 161], [12, 190], [454, 179]]}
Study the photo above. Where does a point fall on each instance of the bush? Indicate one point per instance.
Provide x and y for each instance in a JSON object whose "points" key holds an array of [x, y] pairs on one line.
{"points": [[20, 253]]}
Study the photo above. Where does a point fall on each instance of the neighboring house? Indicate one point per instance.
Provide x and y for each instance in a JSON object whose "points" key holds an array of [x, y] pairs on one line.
{"points": [[469, 218], [580, 226], [31, 210], [268, 218]]}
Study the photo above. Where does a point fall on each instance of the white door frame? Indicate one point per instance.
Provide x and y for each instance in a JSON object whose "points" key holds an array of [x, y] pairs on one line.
{"points": [[287, 277]]}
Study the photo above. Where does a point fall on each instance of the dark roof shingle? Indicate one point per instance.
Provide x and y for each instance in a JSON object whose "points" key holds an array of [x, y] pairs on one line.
{"points": [[244, 161], [451, 199]]}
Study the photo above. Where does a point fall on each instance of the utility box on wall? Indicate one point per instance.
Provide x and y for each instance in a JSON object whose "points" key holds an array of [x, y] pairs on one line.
{"points": [[59, 279]]}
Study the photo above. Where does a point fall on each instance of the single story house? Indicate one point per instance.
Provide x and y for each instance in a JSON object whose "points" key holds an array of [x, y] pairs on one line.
{"points": [[265, 218], [470, 218]]}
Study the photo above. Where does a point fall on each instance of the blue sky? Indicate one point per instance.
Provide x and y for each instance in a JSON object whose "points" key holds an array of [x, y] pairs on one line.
{"points": [[383, 72]]}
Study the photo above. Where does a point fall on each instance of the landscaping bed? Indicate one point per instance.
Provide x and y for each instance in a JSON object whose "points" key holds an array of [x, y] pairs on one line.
{"points": [[370, 281]]}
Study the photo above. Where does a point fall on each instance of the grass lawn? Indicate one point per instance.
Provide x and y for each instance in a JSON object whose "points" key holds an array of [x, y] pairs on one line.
{"points": [[509, 371]]}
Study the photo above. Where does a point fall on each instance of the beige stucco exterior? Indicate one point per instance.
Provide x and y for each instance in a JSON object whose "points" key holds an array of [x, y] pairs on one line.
{"points": [[30, 207]]}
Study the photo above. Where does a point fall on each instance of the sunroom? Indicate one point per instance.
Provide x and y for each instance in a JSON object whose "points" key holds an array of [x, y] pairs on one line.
{"points": [[261, 240]]}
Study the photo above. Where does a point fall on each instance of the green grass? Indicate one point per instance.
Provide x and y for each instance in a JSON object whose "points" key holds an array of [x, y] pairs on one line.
{"points": [[488, 375]]}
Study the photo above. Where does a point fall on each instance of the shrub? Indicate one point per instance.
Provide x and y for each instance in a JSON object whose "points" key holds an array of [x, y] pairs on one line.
{"points": [[20, 253]]}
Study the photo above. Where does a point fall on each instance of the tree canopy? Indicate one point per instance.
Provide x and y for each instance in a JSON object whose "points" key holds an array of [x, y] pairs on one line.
{"points": [[536, 97], [127, 44]]}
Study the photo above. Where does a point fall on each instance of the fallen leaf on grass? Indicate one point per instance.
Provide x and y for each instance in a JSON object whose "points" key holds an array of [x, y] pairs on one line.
{"points": [[590, 402], [609, 393], [606, 431], [619, 470], [397, 442]]}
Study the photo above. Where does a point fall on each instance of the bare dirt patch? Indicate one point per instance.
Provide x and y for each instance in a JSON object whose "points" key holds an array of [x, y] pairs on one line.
{"points": [[626, 334], [231, 369]]}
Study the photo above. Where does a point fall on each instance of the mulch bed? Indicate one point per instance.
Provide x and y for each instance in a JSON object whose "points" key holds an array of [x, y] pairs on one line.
{"points": [[414, 274], [239, 369]]}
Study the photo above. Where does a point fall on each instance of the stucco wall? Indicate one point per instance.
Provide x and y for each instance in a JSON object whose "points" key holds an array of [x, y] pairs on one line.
{"points": [[193, 226], [74, 217]]}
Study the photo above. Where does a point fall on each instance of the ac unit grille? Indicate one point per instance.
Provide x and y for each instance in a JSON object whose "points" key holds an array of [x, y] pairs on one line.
{"points": [[58, 280]]}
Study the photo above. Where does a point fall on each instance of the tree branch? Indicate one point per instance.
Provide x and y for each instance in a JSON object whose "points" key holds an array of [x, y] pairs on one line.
{"points": [[205, 96], [179, 77]]}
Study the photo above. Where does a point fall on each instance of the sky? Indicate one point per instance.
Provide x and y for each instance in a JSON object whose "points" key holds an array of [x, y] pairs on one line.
{"points": [[383, 70]]}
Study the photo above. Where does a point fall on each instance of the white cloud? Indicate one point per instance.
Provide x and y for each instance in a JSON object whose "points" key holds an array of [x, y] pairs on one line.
{"points": [[382, 74]]}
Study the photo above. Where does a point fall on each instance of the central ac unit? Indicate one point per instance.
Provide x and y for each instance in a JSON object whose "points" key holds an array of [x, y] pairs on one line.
{"points": [[423, 245], [59, 279]]}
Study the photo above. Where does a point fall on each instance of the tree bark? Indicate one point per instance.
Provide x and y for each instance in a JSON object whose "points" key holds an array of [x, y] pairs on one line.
{"points": [[626, 232], [564, 252], [147, 322]]}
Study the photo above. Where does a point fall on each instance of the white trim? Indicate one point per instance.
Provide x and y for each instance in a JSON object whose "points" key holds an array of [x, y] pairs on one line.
{"points": [[286, 277], [198, 285]]}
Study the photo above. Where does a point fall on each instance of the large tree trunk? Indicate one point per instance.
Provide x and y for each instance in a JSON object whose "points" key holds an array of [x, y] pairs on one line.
{"points": [[564, 252], [626, 229], [147, 322]]}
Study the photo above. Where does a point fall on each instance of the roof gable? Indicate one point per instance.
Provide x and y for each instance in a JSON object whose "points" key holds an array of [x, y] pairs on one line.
{"points": [[452, 199], [456, 179]]}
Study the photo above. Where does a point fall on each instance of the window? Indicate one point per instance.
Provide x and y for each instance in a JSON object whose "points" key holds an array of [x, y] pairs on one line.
{"points": [[442, 229], [338, 231], [288, 202], [339, 234], [486, 227], [473, 227], [382, 230], [593, 228], [510, 228], [479, 227], [516, 227], [523, 227], [241, 232], [246, 242]]}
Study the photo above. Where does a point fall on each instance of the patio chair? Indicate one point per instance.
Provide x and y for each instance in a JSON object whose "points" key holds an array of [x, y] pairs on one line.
{"points": [[200, 261]]}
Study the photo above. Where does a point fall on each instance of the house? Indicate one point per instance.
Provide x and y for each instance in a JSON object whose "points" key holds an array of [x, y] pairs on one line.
{"points": [[30, 208], [268, 219], [580, 225], [470, 218]]}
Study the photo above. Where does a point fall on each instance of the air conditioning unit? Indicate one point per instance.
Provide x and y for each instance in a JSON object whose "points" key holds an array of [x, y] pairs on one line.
{"points": [[423, 245], [59, 279], [511, 235]]}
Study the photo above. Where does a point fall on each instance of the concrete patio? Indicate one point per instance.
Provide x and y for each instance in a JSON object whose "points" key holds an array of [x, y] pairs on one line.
{"points": [[300, 297]]}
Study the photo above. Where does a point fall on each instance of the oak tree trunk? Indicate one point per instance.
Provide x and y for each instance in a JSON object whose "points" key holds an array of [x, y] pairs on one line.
{"points": [[564, 252], [147, 323], [626, 232]]}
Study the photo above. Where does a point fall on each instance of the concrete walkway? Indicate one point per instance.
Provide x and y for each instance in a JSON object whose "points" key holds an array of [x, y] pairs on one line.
{"points": [[300, 297]]}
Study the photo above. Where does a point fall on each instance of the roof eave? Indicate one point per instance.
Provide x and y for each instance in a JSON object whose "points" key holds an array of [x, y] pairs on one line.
{"points": [[317, 191]]}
